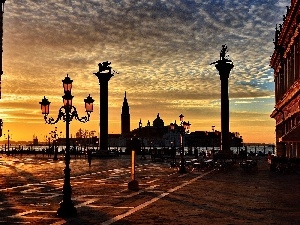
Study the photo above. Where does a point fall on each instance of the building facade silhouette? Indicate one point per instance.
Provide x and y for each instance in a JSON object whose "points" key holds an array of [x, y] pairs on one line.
{"points": [[160, 135], [286, 65]]}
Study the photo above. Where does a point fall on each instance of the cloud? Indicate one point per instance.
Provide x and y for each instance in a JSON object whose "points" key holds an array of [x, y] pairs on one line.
{"points": [[161, 49]]}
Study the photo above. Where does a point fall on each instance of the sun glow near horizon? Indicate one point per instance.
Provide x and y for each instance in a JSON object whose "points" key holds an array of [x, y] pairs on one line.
{"points": [[161, 51]]}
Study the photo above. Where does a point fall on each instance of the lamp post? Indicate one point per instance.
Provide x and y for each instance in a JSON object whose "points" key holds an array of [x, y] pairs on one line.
{"points": [[8, 137], [206, 134], [213, 139], [183, 129], [1, 127], [67, 113]]}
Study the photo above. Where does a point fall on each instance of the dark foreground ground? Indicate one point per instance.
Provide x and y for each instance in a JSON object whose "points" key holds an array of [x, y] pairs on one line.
{"points": [[30, 192]]}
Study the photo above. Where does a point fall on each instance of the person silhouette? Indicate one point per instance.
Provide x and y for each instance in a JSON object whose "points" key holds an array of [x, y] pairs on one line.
{"points": [[89, 154]]}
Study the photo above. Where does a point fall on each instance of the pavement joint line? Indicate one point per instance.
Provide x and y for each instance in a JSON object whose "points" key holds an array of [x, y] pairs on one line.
{"points": [[123, 190], [86, 196], [61, 222], [149, 182], [145, 204], [43, 193], [111, 206], [53, 195], [152, 187], [23, 213], [31, 189], [154, 191], [183, 175], [36, 217], [87, 202]]}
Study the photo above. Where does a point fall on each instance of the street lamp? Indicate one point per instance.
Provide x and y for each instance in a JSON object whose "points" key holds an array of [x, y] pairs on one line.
{"points": [[1, 127], [67, 113], [213, 139], [183, 129], [8, 137], [206, 134]]}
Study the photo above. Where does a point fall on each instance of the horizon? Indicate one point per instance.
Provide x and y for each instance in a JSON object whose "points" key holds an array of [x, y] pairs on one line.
{"points": [[162, 52], [3, 142]]}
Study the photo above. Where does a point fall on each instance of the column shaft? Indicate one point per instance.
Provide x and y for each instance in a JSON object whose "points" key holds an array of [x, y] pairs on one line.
{"points": [[225, 115], [104, 115]]}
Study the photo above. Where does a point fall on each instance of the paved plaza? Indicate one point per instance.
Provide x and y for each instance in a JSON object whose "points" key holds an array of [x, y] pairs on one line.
{"points": [[31, 189]]}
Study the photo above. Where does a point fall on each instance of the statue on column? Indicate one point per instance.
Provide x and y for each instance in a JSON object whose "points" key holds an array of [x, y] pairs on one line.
{"points": [[223, 52], [104, 66], [223, 57]]}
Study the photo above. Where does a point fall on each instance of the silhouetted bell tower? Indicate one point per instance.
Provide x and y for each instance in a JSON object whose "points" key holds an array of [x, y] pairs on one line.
{"points": [[125, 117]]}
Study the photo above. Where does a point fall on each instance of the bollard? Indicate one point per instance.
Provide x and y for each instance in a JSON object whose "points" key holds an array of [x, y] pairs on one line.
{"points": [[132, 165], [133, 185]]}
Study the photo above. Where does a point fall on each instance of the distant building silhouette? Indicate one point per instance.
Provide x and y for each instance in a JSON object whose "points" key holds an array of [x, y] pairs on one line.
{"points": [[125, 117], [159, 135], [156, 135], [285, 62], [151, 135], [158, 122]]}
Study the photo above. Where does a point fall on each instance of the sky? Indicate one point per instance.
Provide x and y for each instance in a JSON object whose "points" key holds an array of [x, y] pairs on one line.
{"points": [[162, 52]]}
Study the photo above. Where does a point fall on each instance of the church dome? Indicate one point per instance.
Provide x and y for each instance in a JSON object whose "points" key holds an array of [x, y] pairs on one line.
{"points": [[158, 122]]}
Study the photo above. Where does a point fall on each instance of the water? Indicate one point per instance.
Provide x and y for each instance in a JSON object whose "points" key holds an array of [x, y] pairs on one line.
{"points": [[250, 148]]}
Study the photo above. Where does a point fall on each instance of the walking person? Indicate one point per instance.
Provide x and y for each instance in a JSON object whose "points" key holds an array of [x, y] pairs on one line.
{"points": [[89, 154]]}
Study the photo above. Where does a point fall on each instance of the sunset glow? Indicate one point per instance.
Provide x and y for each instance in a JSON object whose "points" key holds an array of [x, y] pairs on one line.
{"points": [[162, 52]]}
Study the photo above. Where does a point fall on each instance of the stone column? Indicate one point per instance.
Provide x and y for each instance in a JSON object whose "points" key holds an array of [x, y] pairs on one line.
{"points": [[104, 74], [224, 66]]}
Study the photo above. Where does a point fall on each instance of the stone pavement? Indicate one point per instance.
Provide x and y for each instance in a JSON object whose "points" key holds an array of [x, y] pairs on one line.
{"points": [[30, 192]]}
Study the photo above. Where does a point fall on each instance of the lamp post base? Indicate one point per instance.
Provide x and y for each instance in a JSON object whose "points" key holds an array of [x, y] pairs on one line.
{"points": [[67, 209], [55, 155], [182, 169], [133, 185]]}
